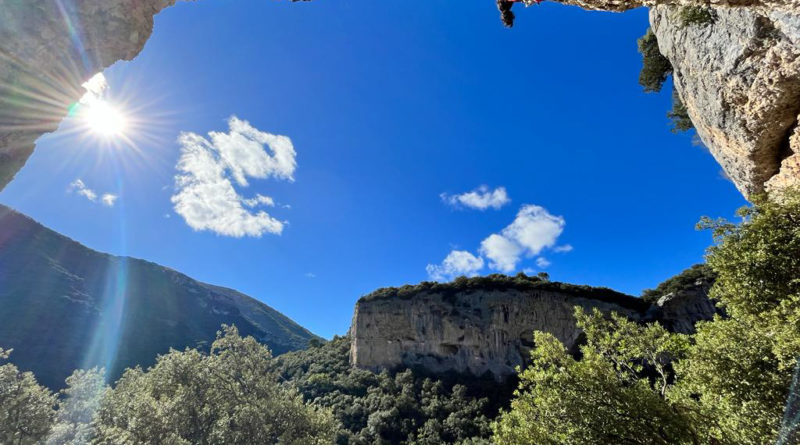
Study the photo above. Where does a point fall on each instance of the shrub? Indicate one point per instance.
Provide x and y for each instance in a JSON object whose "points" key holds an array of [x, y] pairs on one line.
{"points": [[655, 67], [679, 114], [695, 15]]}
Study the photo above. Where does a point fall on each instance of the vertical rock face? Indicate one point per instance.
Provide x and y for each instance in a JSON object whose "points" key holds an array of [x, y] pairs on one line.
{"points": [[739, 77], [47, 50], [476, 330]]}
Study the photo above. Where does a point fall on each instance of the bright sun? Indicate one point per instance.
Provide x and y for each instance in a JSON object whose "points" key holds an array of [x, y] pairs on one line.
{"points": [[104, 119]]}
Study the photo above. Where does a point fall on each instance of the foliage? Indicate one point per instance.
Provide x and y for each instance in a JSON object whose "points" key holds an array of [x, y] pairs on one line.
{"points": [[500, 282], [731, 379], [655, 67], [404, 407], [687, 279], [679, 115], [76, 408], [26, 408], [612, 394], [741, 367], [223, 397], [695, 15]]}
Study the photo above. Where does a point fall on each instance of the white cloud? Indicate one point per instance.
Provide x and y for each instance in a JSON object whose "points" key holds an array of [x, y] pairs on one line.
{"points": [[95, 87], [205, 195], [310, 275], [533, 230], [458, 262], [562, 248], [259, 200], [542, 262], [502, 252], [80, 187], [481, 198], [108, 199]]}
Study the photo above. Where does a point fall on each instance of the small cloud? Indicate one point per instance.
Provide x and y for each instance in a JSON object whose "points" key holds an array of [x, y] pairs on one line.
{"points": [[108, 199], [542, 262], [310, 275], [457, 263], [533, 230], [481, 198], [95, 88], [529, 271], [503, 253], [167, 215], [205, 195], [80, 187], [259, 200]]}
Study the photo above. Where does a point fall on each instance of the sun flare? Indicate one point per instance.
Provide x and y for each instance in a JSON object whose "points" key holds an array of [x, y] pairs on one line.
{"points": [[104, 119]]}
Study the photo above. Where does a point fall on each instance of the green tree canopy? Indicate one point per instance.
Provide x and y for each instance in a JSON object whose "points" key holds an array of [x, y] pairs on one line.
{"points": [[615, 394], [731, 380], [26, 408], [226, 397]]}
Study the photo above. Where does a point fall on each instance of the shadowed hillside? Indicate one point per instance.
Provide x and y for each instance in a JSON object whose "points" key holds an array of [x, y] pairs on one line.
{"points": [[65, 306]]}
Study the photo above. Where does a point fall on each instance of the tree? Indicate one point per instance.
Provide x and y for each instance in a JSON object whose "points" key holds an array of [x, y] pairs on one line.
{"points": [[616, 393], [731, 382], [227, 396], [26, 408], [741, 368], [679, 115], [407, 407], [77, 406], [655, 67]]}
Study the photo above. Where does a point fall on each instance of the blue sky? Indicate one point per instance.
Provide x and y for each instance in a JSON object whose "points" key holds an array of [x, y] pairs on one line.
{"points": [[387, 106]]}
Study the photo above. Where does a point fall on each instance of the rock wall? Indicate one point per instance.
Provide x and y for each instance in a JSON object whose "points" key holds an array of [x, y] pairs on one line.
{"points": [[473, 332], [681, 310], [739, 77], [48, 49], [488, 328]]}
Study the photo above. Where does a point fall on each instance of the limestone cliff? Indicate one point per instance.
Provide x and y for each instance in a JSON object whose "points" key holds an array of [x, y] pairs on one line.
{"points": [[738, 74], [485, 325], [474, 326]]}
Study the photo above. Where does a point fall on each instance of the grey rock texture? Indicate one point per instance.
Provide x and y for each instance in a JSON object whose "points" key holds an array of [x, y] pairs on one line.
{"points": [[48, 49], [680, 311], [475, 331], [477, 328], [739, 77], [624, 5]]}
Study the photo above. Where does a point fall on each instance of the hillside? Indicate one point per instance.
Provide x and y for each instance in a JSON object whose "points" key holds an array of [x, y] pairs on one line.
{"points": [[65, 306]]}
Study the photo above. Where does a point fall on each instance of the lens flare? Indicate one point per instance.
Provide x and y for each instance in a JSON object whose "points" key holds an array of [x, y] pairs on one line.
{"points": [[104, 119]]}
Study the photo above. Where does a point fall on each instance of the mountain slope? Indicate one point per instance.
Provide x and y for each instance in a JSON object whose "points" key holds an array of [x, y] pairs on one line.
{"points": [[64, 306]]}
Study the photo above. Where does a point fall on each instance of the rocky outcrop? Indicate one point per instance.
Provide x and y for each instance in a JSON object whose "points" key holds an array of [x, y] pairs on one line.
{"points": [[625, 5], [679, 311], [485, 325], [481, 328], [739, 76], [48, 49]]}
